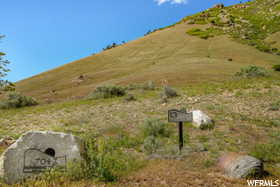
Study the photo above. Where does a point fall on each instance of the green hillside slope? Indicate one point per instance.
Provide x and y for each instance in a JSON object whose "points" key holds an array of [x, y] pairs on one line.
{"points": [[171, 54]]}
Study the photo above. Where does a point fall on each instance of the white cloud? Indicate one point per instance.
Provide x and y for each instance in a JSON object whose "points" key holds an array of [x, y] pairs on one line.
{"points": [[159, 2]]}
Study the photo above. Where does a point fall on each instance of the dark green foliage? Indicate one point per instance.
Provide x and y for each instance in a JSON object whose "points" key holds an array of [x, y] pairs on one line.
{"points": [[267, 152], [111, 46], [147, 33], [276, 67], [252, 71], [156, 128], [168, 92], [105, 92], [16, 100]]}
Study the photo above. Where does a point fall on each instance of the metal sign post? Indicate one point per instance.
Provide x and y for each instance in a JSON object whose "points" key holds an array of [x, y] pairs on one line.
{"points": [[179, 116]]}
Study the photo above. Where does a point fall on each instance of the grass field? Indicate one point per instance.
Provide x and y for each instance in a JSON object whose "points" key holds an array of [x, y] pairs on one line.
{"points": [[243, 109]]}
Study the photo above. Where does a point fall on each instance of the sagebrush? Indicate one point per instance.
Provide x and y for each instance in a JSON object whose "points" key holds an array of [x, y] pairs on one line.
{"points": [[252, 71], [104, 92], [17, 100]]}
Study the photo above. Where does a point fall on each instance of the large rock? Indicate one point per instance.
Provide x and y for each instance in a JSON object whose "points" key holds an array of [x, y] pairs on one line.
{"points": [[240, 166], [201, 120], [36, 151]]}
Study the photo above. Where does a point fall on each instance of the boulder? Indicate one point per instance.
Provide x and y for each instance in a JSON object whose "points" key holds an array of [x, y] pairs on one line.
{"points": [[201, 120], [240, 166], [37, 151]]}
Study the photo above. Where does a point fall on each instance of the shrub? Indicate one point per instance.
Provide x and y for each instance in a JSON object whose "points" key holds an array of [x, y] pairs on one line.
{"points": [[168, 92], [107, 92], [200, 33], [267, 152], [111, 46], [16, 100], [150, 85], [9, 87], [252, 71], [104, 159], [151, 144], [276, 67], [275, 106], [156, 128], [275, 123], [130, 97]]}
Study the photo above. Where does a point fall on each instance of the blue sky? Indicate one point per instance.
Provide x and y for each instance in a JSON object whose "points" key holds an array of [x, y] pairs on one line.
{"points": [[44, 34]]}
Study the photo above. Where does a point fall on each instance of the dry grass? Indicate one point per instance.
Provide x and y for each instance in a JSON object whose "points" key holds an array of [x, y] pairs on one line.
{"points": [[168, 54], [174, 173], [240, 109]]}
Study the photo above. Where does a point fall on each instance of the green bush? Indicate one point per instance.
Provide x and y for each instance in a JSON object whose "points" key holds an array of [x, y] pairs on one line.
{"points": [[151, 144], [276, 67], [200, 33], [105, 159], [275, 106], [156, 128], [104, 92], [9, 87], [252, 71], [168, 92], [267, 152], [275, 123], [16, 100]]}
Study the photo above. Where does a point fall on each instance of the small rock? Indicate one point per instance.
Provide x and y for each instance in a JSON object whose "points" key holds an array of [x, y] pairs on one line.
{"points": [[240, 166], [201, 120], [7, 141], [230, 59]]}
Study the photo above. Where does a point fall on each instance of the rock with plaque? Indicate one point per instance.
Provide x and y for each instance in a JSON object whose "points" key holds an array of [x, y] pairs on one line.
{"points": [[36, 152]]}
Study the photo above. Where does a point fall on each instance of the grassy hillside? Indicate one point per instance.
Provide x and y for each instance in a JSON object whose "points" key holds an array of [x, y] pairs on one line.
{"points": [[246, 114], [198, 57], [237, 36]]}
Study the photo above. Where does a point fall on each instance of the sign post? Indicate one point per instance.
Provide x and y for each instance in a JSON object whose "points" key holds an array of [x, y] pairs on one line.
{"points": [[180, 116]]}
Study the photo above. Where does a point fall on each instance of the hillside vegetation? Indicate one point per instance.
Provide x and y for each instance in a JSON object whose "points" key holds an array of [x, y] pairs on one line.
{"points": [[218, 61], [206, 47]]}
